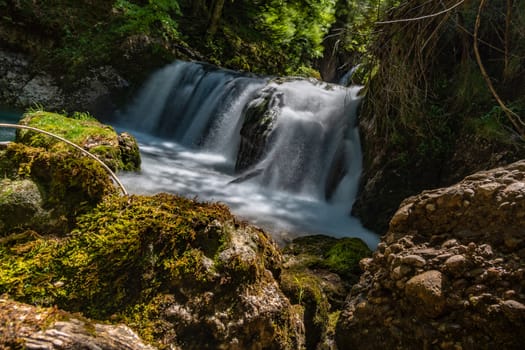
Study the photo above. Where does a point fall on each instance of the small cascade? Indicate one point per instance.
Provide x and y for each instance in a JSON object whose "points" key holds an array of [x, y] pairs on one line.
{"points": [[283, 153], [312, 139], [184, 101]]}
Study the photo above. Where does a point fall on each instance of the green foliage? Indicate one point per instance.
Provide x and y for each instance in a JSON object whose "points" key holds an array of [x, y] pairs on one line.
{"points": [[86, 116], [494, 125], [306, 72], [153, 17], [268, 37], [301, 24]]}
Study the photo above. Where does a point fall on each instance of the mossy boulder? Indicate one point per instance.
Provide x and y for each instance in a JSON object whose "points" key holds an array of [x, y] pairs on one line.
{"points": [[180, 272], [21, 206], [119, 152], [45, 191], [318, 274]]}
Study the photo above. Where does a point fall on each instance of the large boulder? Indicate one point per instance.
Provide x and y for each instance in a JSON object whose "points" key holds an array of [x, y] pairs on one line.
{"points": [[21, 206], [449, 272], [181, 273]]}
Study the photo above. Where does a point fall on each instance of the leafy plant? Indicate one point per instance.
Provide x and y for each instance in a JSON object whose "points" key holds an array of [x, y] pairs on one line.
{"points": [[153, 17]]}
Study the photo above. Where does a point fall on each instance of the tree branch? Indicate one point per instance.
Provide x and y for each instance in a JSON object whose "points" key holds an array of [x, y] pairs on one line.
{"points": [[92, 156], [423, 17], [513, 117]]}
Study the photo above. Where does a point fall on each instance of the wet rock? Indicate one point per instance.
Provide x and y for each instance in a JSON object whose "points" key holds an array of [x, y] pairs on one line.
{"points": [[23, 85], [41, 90], [260, 117]]}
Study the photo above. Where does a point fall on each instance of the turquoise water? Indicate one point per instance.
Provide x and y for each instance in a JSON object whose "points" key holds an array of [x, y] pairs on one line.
{"points": [[11, 117]]}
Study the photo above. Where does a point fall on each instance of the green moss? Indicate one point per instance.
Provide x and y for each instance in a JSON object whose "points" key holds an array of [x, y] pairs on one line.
{"points": [[340, 256], [83, 130], [68, 185], [305, 288], [78, 131], [131, 256], [308, 279], [344, 256], [125, 251]]}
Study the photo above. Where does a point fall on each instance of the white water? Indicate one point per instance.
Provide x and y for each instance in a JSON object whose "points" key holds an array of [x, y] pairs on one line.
{"points": [[187, 119]]}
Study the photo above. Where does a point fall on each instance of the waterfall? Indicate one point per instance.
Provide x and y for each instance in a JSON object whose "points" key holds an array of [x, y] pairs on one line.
{"points": [[283, 152], [184, 101], [314, 133]]}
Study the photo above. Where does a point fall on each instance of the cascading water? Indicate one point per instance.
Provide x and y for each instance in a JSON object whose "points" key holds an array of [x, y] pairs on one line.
{"points": [[282, 153]]}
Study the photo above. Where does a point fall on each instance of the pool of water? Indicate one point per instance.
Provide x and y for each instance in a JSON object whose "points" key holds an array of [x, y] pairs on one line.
{"points": [[11, 117]]}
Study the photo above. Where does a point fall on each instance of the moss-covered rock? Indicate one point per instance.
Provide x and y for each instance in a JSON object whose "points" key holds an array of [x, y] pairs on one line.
{"points": [[318, 274], [21, 206], [119, 152], [52, 188], [180, 272]]}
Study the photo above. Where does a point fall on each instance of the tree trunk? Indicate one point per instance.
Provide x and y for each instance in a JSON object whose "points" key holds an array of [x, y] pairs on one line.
{"points": [[215, 17]]}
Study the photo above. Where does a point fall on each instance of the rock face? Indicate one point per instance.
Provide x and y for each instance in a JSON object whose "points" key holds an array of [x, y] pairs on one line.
{"points": [[259, 119], [449, 273], [22, 86], [392, 174]]}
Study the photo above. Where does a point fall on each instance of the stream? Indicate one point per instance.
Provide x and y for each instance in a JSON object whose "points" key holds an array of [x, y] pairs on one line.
{"points": [[188, 119]]}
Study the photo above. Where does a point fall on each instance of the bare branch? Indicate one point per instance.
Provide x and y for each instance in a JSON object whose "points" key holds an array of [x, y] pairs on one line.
{"points": [[513, 117], [423, 17]]}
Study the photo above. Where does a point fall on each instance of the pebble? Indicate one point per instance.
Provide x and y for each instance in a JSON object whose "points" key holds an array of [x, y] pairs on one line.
{"points": [[485, 250], [456, 264], [413, 260], [450, 243], [430, 207]]}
